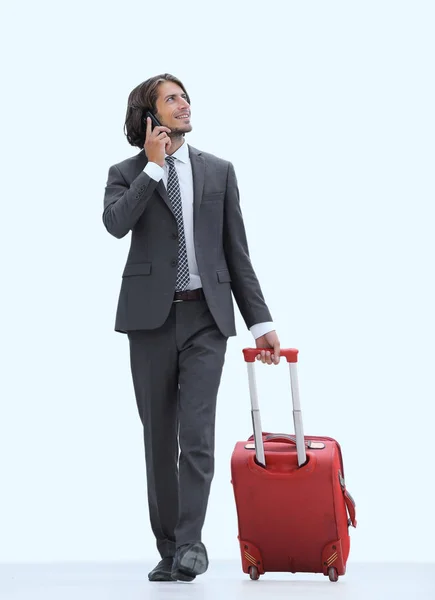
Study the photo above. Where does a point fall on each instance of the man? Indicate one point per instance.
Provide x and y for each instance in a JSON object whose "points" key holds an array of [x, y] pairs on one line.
{"points": [[188, 253]]}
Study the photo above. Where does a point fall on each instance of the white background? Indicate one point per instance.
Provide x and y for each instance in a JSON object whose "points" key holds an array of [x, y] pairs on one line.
{"points": [[326, 110]]}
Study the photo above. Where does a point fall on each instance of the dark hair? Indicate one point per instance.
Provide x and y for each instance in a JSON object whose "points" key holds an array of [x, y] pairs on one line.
{"points": [[143, 98]]}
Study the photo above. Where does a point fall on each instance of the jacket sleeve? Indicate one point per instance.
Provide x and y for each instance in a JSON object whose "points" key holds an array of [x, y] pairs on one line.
{"points": [[244, 282], [124, 204]]}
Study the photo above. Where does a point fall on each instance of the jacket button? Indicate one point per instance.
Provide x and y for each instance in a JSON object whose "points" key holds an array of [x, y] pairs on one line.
{"points": [[174, 263], [174, 236]]}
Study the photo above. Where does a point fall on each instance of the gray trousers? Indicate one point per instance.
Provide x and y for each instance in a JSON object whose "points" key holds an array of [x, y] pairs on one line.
{"points": [[176, 372]]}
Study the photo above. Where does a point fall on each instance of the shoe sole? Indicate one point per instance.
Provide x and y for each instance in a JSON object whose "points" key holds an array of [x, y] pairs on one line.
{"points": [[161, 576], [178, 575], [194, 561]]}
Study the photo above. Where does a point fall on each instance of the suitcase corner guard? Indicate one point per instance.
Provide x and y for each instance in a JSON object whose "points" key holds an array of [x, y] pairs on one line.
{"points": [[251, 556], [332, 556]]}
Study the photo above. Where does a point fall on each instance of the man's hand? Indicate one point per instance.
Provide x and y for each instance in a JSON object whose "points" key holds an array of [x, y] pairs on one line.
{"points": [[269, 340], [157, 142]]}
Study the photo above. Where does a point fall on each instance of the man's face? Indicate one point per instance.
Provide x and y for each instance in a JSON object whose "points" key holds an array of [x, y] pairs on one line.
{"points": [[172, 108]]}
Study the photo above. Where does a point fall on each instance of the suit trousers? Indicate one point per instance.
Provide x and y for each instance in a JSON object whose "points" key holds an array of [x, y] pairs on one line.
{"points": [[176, 371]]}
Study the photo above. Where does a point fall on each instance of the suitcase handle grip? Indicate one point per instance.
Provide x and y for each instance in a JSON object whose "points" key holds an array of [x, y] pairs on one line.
{"points": [[350, 504], [290, 354], [286, 439]]}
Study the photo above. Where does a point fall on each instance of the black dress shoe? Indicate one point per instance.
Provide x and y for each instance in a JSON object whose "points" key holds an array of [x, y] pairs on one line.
{"points": [[162, 572], [190, 560]]}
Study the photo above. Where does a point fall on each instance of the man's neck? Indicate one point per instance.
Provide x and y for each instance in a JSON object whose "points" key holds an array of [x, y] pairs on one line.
{"points": [[176, 142]]}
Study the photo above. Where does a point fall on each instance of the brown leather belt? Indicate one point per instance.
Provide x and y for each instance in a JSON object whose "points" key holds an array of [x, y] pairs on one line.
{"points": [[197, 294]]}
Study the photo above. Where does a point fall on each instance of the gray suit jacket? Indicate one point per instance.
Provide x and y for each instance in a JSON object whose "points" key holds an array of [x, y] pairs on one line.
{"points": [[135, 202]]}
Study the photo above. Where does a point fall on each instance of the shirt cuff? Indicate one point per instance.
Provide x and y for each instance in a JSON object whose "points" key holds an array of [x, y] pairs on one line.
{"points": [[154, 171], [261, 329]]}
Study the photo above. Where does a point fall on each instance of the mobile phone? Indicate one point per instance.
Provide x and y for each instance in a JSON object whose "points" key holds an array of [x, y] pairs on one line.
{"points": [[154, 120]]}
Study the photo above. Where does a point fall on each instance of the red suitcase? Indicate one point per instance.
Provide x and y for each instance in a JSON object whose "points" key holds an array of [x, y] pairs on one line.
{"points": [[293, 509]]}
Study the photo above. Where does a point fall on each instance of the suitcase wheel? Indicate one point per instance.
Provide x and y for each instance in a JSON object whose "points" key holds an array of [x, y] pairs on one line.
{"points": [[333, 574], [253, 573]]}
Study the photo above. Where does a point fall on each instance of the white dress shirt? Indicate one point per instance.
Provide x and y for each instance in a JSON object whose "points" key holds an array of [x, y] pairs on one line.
{"points": [[184, 171]]}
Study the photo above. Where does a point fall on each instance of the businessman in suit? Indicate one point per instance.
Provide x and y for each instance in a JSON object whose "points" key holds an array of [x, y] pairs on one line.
{"points": [[188, 255]]}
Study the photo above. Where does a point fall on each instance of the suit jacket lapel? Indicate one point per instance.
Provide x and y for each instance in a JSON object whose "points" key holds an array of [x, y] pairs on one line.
{"points": [[198, 171], [160, 189], [163, 193]]}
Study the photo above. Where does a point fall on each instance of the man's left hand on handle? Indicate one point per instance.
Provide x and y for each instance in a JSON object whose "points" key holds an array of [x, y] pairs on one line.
{"points": [[269, 340]]}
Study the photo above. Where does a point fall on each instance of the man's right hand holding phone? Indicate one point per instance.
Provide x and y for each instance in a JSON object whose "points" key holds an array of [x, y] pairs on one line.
{"points": [[157, 142]]}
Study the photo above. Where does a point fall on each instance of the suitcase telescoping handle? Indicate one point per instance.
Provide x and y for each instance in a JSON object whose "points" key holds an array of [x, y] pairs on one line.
{"points": [[291, 355]]}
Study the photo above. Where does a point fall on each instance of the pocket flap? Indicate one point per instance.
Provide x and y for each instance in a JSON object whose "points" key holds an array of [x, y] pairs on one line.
{"points": [[223, 276], [213, 197], [137, 269]]}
